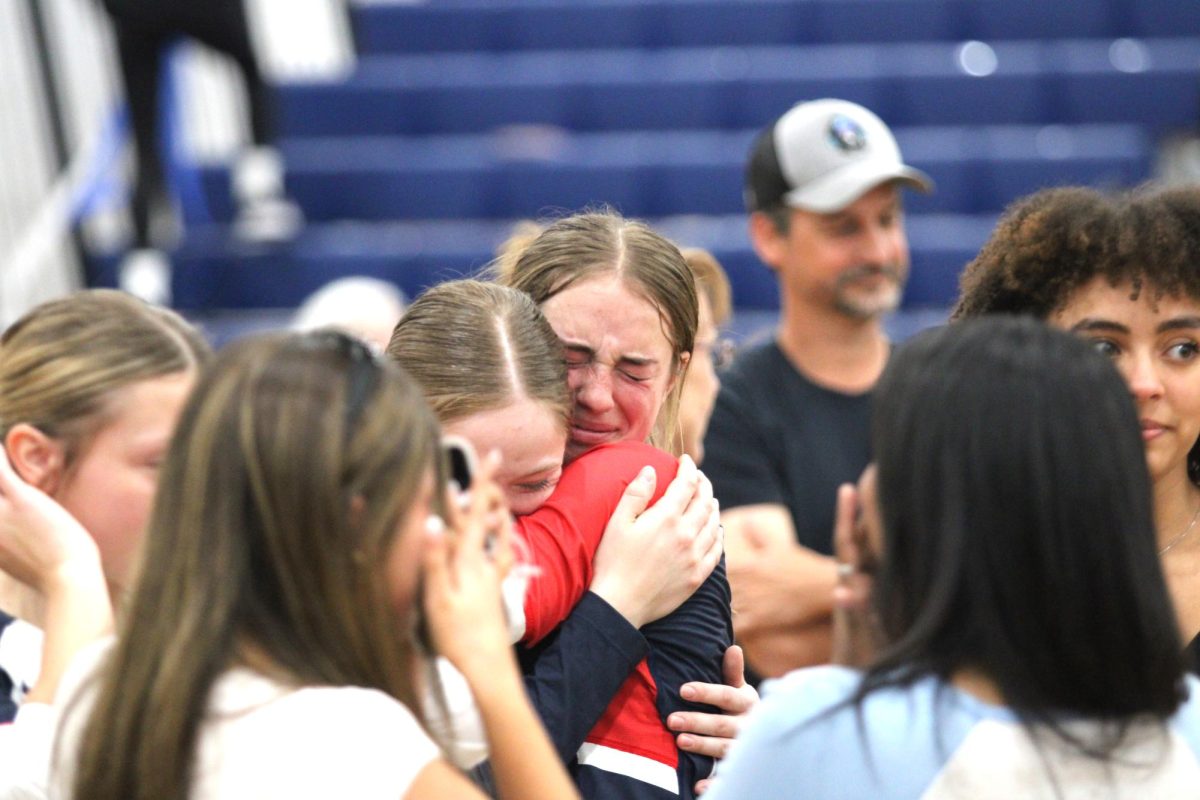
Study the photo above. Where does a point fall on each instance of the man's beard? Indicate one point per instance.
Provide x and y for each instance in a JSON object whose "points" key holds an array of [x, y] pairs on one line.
{"points": [[882, 300]]}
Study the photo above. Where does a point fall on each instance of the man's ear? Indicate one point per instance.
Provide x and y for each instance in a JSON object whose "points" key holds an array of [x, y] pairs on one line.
{"points": [[39, 459], [766, 239]]}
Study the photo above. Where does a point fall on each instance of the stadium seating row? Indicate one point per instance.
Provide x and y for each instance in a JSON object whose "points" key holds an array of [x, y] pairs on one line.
{"points": [[525, 172], [483, 25], [1152, 82], [212, 270]]}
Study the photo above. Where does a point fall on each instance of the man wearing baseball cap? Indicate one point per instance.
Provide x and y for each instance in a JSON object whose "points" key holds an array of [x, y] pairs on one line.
{"points": [[791, 422]]}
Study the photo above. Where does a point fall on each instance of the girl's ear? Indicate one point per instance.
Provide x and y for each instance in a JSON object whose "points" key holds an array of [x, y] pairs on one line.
{"points": [[39, 459]]}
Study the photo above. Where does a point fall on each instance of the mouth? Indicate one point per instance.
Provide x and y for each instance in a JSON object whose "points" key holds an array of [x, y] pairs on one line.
{"points": [[1152, 430], [589, 434]]}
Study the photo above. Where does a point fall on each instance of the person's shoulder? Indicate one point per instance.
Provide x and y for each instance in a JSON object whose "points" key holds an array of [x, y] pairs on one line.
{"points": [[829, 684], [1186, 719], [628, 453], [366, 709], [755, 363], [804, 695], [370, 736]]}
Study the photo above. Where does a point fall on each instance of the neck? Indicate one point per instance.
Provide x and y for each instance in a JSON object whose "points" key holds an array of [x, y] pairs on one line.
{"points": [[837, 351], [1176, 502], [978, 685]]}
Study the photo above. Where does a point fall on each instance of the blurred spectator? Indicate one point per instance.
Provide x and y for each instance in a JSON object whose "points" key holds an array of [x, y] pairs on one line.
{"points": [[1005, 543], [790, 422], [365, 307], [143, 29], [701, 383]]}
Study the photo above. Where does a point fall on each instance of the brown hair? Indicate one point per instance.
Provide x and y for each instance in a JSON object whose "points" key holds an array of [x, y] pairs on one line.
{"points": [[1050, 244], [587, 245], [475, 346], [711, 280], [296, 459], [61, 362]]}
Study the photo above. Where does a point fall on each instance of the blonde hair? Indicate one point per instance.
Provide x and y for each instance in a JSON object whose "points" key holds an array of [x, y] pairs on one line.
{"points": [[510, 250], [61, 362], [297, 458], [591, 244], [476, 346], [712, 281]]}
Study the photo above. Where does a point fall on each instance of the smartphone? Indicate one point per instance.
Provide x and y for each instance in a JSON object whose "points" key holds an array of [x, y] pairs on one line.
{"points": [[460, 462]]}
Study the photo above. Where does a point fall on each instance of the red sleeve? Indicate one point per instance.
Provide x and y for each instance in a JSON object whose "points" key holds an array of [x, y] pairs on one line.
{"points": [[564, 533]]}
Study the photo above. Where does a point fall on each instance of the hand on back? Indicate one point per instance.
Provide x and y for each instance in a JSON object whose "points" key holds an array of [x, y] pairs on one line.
{"points": [[651, 560]]}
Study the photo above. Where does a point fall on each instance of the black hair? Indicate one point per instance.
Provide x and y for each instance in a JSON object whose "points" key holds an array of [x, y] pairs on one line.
{"points": [[1018, 529], [765, 184]]}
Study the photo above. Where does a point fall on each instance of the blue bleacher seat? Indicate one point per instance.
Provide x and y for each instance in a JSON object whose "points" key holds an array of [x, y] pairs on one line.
{"points": [[465, 114]]}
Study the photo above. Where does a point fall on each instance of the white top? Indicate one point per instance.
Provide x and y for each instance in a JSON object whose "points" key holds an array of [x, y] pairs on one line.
{"points": [[21, 656], [266, 740]]}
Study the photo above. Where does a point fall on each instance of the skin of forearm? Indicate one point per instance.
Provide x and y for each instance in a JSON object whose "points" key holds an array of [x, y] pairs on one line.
{"points": [[775, 653], [77, 613], [785, 588]]}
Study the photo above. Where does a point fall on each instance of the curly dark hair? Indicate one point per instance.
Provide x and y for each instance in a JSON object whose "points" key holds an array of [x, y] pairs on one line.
{"points": [[1049, 244]]}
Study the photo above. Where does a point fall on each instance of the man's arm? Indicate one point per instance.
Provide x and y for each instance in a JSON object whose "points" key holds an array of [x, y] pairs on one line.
{"points": [[782, 592]]}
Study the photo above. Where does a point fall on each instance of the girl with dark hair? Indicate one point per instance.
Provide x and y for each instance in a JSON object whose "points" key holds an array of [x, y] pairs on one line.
{"points": [[1121, 271], [272, 642], [1028, 646]]}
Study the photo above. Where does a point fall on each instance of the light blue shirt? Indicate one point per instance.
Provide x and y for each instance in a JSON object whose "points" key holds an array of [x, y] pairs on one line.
{"points": [[932, 741]]}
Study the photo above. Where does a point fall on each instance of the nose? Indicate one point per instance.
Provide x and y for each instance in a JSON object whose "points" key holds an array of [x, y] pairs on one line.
{"points": [[592, 388], [1141, 372]]}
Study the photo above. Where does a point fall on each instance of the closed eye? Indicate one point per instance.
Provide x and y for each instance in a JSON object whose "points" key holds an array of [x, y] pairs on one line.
{"points": [[538, 486]]}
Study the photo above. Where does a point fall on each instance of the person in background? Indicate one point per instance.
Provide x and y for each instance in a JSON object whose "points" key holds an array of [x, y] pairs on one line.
{"points": [[1027, 645], [1119, 270], [710, 352], [143, 30], [823, 189], [91, 386], [365, 307]]}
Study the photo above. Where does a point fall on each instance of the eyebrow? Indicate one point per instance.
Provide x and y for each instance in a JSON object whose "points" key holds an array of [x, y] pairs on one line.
{"points": [[1179, 323], [834, 217], [633, 361], [1089, 324]]}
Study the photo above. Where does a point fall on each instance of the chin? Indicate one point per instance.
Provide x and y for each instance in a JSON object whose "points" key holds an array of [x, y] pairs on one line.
{"points": [[866, 308]]}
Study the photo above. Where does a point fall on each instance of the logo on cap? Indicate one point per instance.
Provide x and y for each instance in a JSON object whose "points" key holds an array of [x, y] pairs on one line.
{"points": [[846, 134]]}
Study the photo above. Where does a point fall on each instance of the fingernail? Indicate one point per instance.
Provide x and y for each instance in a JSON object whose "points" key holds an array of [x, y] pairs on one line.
{"points": [[687, 693], [686, 741], [646, 474], [674, 721]]}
